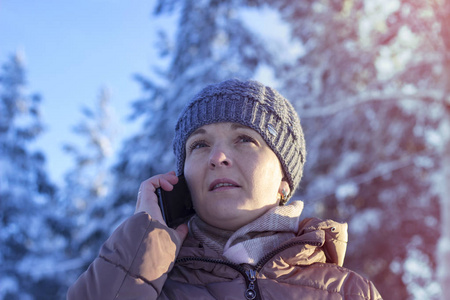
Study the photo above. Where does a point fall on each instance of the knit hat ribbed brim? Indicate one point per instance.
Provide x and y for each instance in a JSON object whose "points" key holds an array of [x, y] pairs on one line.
{"points": [[251, 104]]}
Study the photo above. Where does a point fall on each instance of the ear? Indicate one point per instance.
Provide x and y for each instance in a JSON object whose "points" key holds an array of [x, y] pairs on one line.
{"points": [[283, 191]]}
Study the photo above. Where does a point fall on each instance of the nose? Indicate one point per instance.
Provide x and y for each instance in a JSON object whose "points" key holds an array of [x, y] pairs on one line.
{"points": [[219, 158]]}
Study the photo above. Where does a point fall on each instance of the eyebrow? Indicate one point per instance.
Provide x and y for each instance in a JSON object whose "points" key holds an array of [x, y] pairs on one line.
{"points": [[196, 132], [234, 126]]}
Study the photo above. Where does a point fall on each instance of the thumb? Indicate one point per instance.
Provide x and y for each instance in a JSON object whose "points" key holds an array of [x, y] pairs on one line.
{"points": [[181, 232]]}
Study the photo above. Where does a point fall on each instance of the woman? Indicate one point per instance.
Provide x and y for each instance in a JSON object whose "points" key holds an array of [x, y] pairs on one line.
{"points": [[241, 149]]}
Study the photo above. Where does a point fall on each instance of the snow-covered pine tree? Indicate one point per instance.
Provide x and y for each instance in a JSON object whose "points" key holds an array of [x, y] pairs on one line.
{"points": [[86, 195], [26, 193], [370, 85], [442, 180], [211, 44]]}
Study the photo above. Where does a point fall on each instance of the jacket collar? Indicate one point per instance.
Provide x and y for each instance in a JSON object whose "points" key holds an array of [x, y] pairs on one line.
{"points": [[330, 236]]}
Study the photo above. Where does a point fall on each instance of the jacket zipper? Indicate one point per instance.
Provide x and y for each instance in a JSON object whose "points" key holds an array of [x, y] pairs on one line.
{"points": [[251, 293]]}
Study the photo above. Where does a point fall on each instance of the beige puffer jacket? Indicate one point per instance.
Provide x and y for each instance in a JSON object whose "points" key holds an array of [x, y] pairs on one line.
{"points": [[141, 261]]}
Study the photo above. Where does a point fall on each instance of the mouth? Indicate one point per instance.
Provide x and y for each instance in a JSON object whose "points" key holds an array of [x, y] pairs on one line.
{"points": [[223, 183]]}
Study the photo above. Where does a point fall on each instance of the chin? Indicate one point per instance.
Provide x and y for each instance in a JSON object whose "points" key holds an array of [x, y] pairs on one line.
{"points": [[217, 220]]}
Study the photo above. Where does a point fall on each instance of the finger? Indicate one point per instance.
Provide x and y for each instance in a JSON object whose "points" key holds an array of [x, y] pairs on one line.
{"points": [[182, 232], [147, 200], [164, 181], [166, 184], [168, 180], [138, 198]]}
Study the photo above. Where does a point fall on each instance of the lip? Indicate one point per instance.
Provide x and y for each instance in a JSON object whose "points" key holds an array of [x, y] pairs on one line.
{"points": [[223, 180]]}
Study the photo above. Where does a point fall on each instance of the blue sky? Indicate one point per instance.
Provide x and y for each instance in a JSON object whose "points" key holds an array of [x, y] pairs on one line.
{"points": [[74, 48]]}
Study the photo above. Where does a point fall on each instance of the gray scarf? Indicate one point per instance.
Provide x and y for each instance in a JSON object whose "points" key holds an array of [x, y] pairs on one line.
{"points": [[252, 241]]}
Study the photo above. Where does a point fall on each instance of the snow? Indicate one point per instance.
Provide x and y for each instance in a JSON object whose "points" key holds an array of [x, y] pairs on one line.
{"points": [[348, 161], [366, 220], [419, 276], [278, 39], [444, 253], [8, 285], [425, 162], [437, 138], [346, 190]]}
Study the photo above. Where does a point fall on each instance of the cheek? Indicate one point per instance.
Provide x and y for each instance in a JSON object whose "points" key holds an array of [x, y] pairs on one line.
{"points": [[190, 164], [193, 179], [189, 174], [268, 176]]}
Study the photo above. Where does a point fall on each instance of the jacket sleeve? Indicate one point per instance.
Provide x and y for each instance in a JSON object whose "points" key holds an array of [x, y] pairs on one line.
{"points": [[132, 264]]}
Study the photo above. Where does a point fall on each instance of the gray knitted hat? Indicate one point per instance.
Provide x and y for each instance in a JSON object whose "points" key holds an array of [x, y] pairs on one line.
{"points": [[251, 104]]}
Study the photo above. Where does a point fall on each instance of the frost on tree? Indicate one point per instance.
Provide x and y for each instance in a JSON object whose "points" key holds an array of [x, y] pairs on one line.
{"points": [[211, 43], [371, 91], [87, 193], [26, 236]]}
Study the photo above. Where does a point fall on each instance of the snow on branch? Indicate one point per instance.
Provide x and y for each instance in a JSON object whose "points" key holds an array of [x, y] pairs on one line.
{"points": [[381, 170], [371, 96]]}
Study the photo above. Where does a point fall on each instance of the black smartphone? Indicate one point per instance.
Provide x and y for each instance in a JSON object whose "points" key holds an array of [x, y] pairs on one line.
{"points": [[176, 205]]}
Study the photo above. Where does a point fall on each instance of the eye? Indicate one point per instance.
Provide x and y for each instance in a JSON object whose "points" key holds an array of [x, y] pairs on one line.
{"points": [[246, 139], [197, 145]]}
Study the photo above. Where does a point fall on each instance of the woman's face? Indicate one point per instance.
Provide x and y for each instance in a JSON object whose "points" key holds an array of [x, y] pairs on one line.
{"points": [[233, 176]]}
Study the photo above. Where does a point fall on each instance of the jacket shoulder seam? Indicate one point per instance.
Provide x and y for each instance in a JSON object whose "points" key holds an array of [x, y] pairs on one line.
{"points": [[127, 272]]}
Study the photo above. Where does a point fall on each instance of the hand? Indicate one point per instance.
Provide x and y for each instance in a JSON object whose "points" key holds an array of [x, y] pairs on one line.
{"points": [[147, 201]]}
